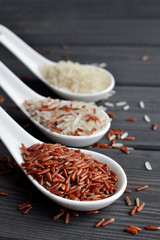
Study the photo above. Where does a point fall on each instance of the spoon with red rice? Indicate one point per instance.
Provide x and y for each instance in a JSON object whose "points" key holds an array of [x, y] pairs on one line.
{"points": [[26, 151]]}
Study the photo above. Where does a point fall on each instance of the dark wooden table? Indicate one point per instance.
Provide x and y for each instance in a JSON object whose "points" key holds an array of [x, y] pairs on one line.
{"points": [[119, 33]]}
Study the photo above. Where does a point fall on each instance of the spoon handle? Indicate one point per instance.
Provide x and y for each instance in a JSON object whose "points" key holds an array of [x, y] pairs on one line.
{"points": [[14, 87], [12, 135], [24, 52]]}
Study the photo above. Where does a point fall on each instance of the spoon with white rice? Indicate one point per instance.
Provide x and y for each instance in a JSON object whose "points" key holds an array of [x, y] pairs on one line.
{"points": [[71, 123], [67, 79]]}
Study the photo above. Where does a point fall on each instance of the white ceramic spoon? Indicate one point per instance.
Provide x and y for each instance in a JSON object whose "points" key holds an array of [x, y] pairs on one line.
{"points": [[34, 61], [13, 135], [19, 92]]}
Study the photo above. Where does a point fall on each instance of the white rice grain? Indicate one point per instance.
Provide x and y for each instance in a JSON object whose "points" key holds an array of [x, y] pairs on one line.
{"points": [[75, 77], [109, 104], [148, 166], [102, 65], [117, 145], [119, 104], [141, 104], [126, 107], [147, 118], [124, 135], [112, 137]]}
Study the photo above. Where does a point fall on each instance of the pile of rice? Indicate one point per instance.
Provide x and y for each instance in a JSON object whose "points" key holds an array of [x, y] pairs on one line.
{"points": [[76, 78], [67, 117]]}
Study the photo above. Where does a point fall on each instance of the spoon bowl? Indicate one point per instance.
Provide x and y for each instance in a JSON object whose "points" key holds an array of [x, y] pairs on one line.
{"points": [[13, 136], [19, 92], [34, 61]]}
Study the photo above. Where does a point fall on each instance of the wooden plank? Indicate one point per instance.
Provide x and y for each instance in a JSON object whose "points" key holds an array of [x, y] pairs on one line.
{"points": [[145, 137], [124, 62], [89, 32], [79, 9], [40, 217]]}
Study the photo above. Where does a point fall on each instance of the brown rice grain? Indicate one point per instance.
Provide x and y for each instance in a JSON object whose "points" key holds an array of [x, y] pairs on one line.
{"points": [[27, 210], [131, 119], [152, 227], [135, 227], [131, 230], [3, 194], [141, 206], [107, 222], [58, 215], [99, 223], [127, 190], [141, 188], [67, 218], [129, 138], [128, 201], [91, 212], [133, 211], [154, 126]]}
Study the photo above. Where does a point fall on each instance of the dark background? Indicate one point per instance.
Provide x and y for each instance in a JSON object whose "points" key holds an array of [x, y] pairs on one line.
{"points": [[118, 33]]}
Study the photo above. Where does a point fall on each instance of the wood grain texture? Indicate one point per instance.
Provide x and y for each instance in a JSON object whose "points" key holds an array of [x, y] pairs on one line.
{"points": [[118, 33], [124, 62], [38, 224]]}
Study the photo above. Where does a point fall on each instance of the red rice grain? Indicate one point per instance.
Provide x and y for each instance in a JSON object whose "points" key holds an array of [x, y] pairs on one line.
{"points": [[63, 46], [154, 126], [127, 190], [67, 218], [129, 138], [58, 215], [152, 227], [141, 206], [27, 210], [135, 227], [133, 211], [69, 173], [65, 56], [99, 223], [124, 149], [1, 99], [131, 230], [73, 213], [107, 222], [145, 58], [91, 212], [141, 188], [111, 115], [131, 119], [3, 194]]}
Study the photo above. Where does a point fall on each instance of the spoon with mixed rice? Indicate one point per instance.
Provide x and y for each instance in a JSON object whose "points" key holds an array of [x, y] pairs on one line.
{"points": [[72, 123]]}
